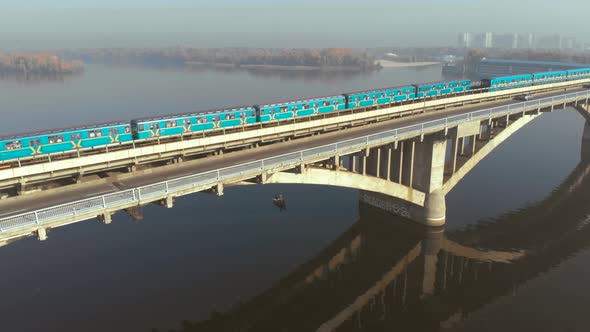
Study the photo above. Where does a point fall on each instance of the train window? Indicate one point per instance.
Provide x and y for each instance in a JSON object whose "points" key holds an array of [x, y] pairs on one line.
{"points": [[94, 133], [113, 131], [304, 106], [127, 129], [35, 142], [336, 102], [154, 125], [55, 139], [294, 108], [283, 109], [171, 124], [202, 119], [74, 137], [366, 97], [326, 103], [216, 118], [15, 145]]}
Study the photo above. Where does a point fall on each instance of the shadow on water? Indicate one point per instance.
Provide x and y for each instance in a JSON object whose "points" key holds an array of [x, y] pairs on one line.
{"points": [[385, 273]]}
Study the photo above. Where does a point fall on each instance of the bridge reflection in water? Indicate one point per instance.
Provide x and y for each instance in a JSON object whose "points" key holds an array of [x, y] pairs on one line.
{"points": [[385, 273]]}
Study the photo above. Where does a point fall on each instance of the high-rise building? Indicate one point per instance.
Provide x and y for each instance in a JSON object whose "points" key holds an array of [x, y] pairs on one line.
{"points": [[488, 40], [465, 39]]}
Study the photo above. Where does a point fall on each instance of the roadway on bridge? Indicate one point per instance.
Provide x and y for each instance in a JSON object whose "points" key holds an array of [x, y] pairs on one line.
{"points": [[52, 197]]}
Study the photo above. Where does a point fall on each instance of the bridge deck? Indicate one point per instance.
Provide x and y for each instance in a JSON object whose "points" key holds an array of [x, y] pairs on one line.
{"points": [[210, 173], [53, 197]]}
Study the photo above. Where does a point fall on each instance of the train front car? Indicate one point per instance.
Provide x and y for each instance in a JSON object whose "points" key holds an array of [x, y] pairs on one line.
{"points": [[66, 140], [507, 82], [578, 74], [380, 97], [299, 108], [549, 77]]}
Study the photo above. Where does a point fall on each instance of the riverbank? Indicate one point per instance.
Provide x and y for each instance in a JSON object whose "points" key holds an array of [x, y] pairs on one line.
{"points": [[394, 64], [273, 67]]}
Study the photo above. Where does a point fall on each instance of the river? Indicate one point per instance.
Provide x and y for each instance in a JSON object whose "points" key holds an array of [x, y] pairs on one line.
{"points": [[237, 261]]}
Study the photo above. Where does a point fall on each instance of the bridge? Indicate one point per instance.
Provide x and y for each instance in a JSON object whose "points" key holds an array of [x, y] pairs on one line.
{"points": [[384, 273], [405, 165]]}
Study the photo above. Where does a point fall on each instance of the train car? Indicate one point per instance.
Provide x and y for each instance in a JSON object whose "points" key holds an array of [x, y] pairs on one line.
{"points": [[460, 86], [299, 108], [177, 124], [549, 77], [507, 82], [578, 74], [441, 88], [63, 140], [379, 97]]}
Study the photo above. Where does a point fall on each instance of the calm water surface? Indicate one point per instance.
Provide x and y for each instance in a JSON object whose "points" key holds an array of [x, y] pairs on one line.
{"points": [[237, 263]]}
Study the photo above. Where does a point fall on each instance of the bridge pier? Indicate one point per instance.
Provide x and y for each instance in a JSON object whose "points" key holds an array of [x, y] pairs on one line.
{"points": [[584, 110], [422, 170], [42, 234]]}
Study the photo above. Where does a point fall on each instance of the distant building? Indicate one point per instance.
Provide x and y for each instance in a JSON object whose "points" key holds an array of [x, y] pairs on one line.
{"points": [[517, 41], [550, 42], [465, 39], [502, 67], [488, 40]]}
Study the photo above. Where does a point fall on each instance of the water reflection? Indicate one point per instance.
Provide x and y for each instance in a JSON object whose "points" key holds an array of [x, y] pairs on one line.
{"points": [[284, 74], [385, 273], [35, 79]]}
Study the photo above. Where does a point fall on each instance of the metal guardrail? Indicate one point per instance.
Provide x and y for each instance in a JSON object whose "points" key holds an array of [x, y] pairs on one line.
{"points": [[99, 204]]}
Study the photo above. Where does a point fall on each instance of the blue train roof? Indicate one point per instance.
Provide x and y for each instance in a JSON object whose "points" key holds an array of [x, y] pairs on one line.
{"points": [[198, 113], [301, 100], [442, 81], [381, 89], [61, 130], [537, 63]]}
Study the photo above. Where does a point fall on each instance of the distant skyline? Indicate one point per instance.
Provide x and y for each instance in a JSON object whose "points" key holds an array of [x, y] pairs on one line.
{"points": [[52, 24]]}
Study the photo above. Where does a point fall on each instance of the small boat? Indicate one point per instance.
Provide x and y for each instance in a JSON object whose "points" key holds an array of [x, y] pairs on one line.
{"points": [[279, 201]]}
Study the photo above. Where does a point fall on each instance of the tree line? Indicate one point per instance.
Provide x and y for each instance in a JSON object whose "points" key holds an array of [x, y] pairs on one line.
{"points": [[39, 64], [329, 57]]}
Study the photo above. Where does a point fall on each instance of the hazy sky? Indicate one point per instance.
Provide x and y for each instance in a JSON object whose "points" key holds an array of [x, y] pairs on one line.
{"points": [[41, 24]]}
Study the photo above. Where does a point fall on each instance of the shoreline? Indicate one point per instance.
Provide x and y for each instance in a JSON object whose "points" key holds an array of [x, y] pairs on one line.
{"points": [[394, 64], [276, 67]]}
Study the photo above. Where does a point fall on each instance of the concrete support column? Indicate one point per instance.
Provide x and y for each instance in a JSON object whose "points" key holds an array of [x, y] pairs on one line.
{"points": [[169, 202], [42, 234], [219, 189], [584, 110], [353, 162], [461, 148], [407, 164], [373, 162], [107, 218], [429, 176], [400, 162], [21, 187], [473, 142], [389, 164], [454, 151]]}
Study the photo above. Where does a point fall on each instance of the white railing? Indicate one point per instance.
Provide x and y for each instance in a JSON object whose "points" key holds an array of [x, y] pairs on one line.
{"points": [[99, 204]]}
